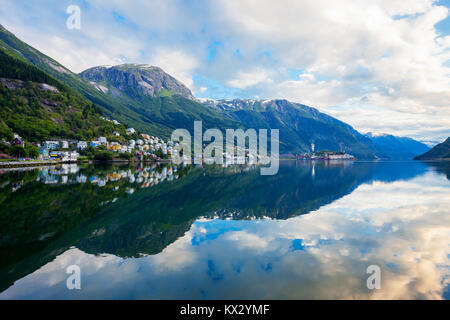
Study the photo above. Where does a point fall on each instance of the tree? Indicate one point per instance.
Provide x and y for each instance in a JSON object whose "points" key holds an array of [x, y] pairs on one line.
{"points": [[103, 156], [161, 154], [17, 151], [32, 151], [125, 155]]}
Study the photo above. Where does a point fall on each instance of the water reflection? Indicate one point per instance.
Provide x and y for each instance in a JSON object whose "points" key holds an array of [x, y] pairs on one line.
{"points": [[227, 232]]}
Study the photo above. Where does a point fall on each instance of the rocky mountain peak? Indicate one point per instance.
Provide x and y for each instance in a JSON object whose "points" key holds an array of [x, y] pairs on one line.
{"points": [[135, 80]]}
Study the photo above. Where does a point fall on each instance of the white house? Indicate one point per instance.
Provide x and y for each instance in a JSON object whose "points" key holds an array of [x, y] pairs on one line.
{"points": [[81, 178], [101, 183], [103, 140], [131, 131], [64, 144], [70, 156], [50, 145], [81, 145], [74, 156]]}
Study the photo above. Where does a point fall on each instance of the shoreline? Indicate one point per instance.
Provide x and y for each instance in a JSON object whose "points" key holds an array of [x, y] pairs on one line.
{"points": [[18, 164], [25, 164]]}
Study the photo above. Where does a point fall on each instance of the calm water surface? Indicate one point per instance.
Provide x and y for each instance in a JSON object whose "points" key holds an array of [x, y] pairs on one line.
{"points": [[166, 232]]}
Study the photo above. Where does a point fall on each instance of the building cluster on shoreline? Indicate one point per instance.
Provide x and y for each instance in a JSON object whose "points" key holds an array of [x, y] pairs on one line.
{"points": [[329, 155], [143, 145], [324, 155], [131, 143]]}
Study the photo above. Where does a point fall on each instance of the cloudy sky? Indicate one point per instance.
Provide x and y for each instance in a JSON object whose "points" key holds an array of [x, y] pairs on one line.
{"points": [[380, 65]]}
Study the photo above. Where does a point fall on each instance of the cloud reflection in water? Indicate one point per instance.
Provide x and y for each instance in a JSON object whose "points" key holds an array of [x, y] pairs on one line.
{"points": [[402, 226]]}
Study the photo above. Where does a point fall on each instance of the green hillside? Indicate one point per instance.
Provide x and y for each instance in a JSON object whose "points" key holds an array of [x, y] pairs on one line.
{"points": [[38, 107], [119, 110]]}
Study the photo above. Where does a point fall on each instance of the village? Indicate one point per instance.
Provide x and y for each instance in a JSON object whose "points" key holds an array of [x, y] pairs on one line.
{"points": [[133, 145], [326, 156], [145, 146], [139, 146]]}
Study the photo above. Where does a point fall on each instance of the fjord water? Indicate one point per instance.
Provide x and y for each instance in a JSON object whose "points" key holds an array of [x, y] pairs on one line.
{"points": [[166, 232]]}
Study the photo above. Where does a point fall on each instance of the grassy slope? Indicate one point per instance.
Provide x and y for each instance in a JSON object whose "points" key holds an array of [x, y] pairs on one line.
{"points": [[37, 114], [112, 107]]}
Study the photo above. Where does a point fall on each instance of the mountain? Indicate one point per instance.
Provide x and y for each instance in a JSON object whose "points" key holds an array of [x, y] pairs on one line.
{"points": [[37, 106], [136, 81], [299, 125], [438, 152], [162, 102], [397, 148]]}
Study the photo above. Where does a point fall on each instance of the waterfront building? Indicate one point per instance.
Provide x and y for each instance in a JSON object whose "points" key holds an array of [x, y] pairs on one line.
{"points": [[51, 145], [103, 140], [81, 145]]}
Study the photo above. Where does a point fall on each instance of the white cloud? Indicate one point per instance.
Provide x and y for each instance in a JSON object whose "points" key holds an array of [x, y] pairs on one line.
{"points": [[382, 120], [247, 79], [311, 91], [364, 51], [177, 63]]}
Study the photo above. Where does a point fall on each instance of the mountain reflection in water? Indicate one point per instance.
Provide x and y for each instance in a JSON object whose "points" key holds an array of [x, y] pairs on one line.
{"points": [[163, 231]]}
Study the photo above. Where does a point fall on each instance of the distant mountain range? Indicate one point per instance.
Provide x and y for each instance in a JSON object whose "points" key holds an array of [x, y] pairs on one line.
{"points": [[300, 125], [150, 100], [439, 152], [397, 148]]}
